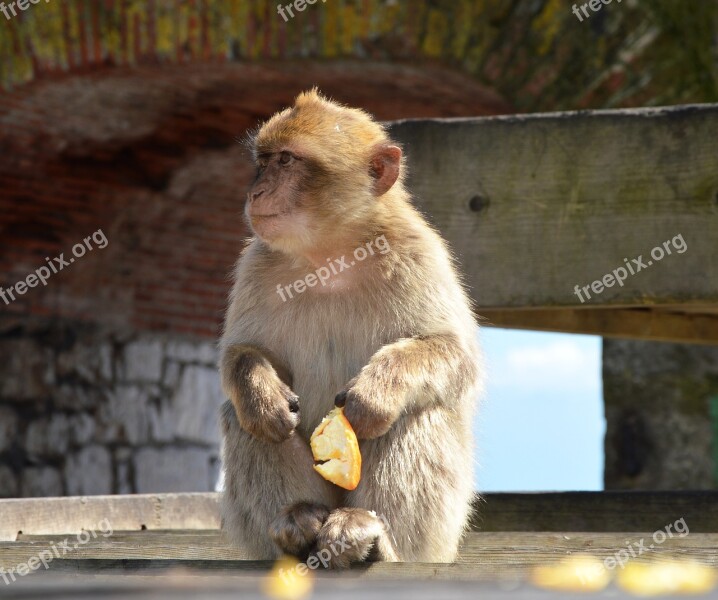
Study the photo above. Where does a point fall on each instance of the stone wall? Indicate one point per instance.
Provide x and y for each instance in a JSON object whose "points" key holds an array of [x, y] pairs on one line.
{"points": [[86, 412], [661, 402]]}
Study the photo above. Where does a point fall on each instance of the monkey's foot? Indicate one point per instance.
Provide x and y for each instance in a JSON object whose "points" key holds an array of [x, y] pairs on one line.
{"points": [[296, 528], [353, 535]]}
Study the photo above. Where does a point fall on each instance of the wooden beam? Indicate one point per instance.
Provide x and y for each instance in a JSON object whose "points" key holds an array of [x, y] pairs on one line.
{"points": [[561, 511], [536, 205], [72, 515], [483, 556], [641, 323], [596, 511]]}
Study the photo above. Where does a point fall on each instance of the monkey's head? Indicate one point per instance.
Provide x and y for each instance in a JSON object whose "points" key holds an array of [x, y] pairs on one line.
{"points": [[322, 169]]}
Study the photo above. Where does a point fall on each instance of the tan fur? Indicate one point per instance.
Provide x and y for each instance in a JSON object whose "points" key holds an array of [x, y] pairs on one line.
{"points": [[395, 336]]}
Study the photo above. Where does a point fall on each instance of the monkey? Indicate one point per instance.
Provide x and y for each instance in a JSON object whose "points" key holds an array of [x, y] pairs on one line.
{"points": [[391, 337]]}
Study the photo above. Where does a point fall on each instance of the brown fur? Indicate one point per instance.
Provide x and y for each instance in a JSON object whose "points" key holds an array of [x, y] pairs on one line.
{"points": [[393, 338]]}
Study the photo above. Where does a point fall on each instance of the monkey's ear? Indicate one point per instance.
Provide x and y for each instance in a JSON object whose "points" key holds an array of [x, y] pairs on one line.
{"points": [[384, 168]]}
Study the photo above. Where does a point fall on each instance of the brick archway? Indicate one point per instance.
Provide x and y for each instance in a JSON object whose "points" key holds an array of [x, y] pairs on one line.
{"points": [[149, 154]]}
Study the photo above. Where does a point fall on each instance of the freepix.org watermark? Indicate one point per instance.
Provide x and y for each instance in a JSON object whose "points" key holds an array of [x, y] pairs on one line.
{"points": [[635, 549], [298, 5], [335, 266], [9, 9], [45, 557], [594, 5], [635, 265], [54, 266]]}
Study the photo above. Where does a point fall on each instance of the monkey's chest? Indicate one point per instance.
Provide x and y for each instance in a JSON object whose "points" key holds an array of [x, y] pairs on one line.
{"points": [[324, 354]]}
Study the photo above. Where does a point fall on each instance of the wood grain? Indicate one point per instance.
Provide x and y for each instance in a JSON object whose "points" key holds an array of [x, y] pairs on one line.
{"points": [[182, 515], [482, 556], [72, 515], [535, 205], [680, 324]]}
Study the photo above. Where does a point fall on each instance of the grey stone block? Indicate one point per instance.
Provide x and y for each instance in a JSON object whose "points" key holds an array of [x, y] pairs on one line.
{"points": [[172, 470], [89, 361], [191, 414], [126, 416], [8, 427], [26, 370], [143, 361], [192, 352], [48, 437], [9, 487], [82, 429], [38, 482], [89, 472]]}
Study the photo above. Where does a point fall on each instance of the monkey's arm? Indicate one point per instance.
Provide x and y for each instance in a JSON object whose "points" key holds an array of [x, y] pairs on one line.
{"points": [[409, 373], [259, 387]]}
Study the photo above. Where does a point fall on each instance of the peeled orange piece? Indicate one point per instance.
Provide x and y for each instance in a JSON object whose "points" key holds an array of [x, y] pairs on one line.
{"points": [[288, 580], [335, 443], [675, 577], [576, 574]]}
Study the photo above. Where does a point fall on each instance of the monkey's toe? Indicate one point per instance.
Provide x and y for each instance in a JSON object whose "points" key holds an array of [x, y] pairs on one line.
{"points": [[296, 528], [352, 535]]}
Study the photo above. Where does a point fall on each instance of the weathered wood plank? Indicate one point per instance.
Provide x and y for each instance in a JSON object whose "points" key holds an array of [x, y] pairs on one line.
{"points": [[561, 200], [560, 511], [643, 323], [72, 515], [482, 555], [596, 511]]}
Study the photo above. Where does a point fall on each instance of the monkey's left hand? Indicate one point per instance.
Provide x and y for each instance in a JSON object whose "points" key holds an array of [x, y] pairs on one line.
{"points": [[410, 372], [372, 402]]}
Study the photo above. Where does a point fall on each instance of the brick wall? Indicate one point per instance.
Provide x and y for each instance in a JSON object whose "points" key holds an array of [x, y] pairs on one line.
{"points": [[150, 157]]}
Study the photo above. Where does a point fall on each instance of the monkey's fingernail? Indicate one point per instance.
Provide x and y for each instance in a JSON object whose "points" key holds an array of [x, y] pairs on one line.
{"points": [[294, 404], [341, 399]]}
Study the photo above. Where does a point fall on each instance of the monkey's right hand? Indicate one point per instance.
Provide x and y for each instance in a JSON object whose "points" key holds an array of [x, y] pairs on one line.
{"points": [[266, 406], [268, 410]]}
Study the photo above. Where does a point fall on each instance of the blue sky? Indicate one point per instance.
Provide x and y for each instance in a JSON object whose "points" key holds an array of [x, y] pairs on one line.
{"points": [[540, 425]]}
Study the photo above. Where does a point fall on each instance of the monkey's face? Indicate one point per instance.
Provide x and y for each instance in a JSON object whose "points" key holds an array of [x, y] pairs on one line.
{"points": [[299, 202], [282, 197], [321, 170]]}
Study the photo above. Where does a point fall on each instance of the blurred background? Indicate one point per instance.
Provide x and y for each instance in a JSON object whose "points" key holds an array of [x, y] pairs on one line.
{"points": [[124, 117]]}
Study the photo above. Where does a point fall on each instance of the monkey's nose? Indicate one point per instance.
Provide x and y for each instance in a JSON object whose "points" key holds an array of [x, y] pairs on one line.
{"points": [[255, 194]]}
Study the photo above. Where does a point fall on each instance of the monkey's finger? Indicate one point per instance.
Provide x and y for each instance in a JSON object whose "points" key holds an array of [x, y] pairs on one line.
{"points": [[294, 404], [279, 427]]}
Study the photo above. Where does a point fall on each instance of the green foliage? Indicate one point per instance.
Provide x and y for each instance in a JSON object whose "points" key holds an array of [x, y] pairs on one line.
{"points": [[536, 53]]}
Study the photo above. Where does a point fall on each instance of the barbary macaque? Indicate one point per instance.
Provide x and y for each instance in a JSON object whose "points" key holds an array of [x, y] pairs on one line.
{"points": [[379, 324]]}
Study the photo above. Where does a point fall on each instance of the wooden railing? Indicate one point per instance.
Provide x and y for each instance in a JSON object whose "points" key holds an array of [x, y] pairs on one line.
{"points": [[538, 207]]}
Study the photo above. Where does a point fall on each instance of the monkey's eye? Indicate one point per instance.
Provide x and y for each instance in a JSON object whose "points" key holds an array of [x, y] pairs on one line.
{"points": [[285, 158]]}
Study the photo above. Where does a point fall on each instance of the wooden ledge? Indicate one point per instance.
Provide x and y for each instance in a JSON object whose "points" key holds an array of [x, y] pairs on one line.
{"points": [[508, 512]]}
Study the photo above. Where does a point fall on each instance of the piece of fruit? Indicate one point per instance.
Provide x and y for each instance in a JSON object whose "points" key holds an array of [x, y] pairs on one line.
{"points": [[674, 577], [576, 574], [288, 580], [335, 446]]}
